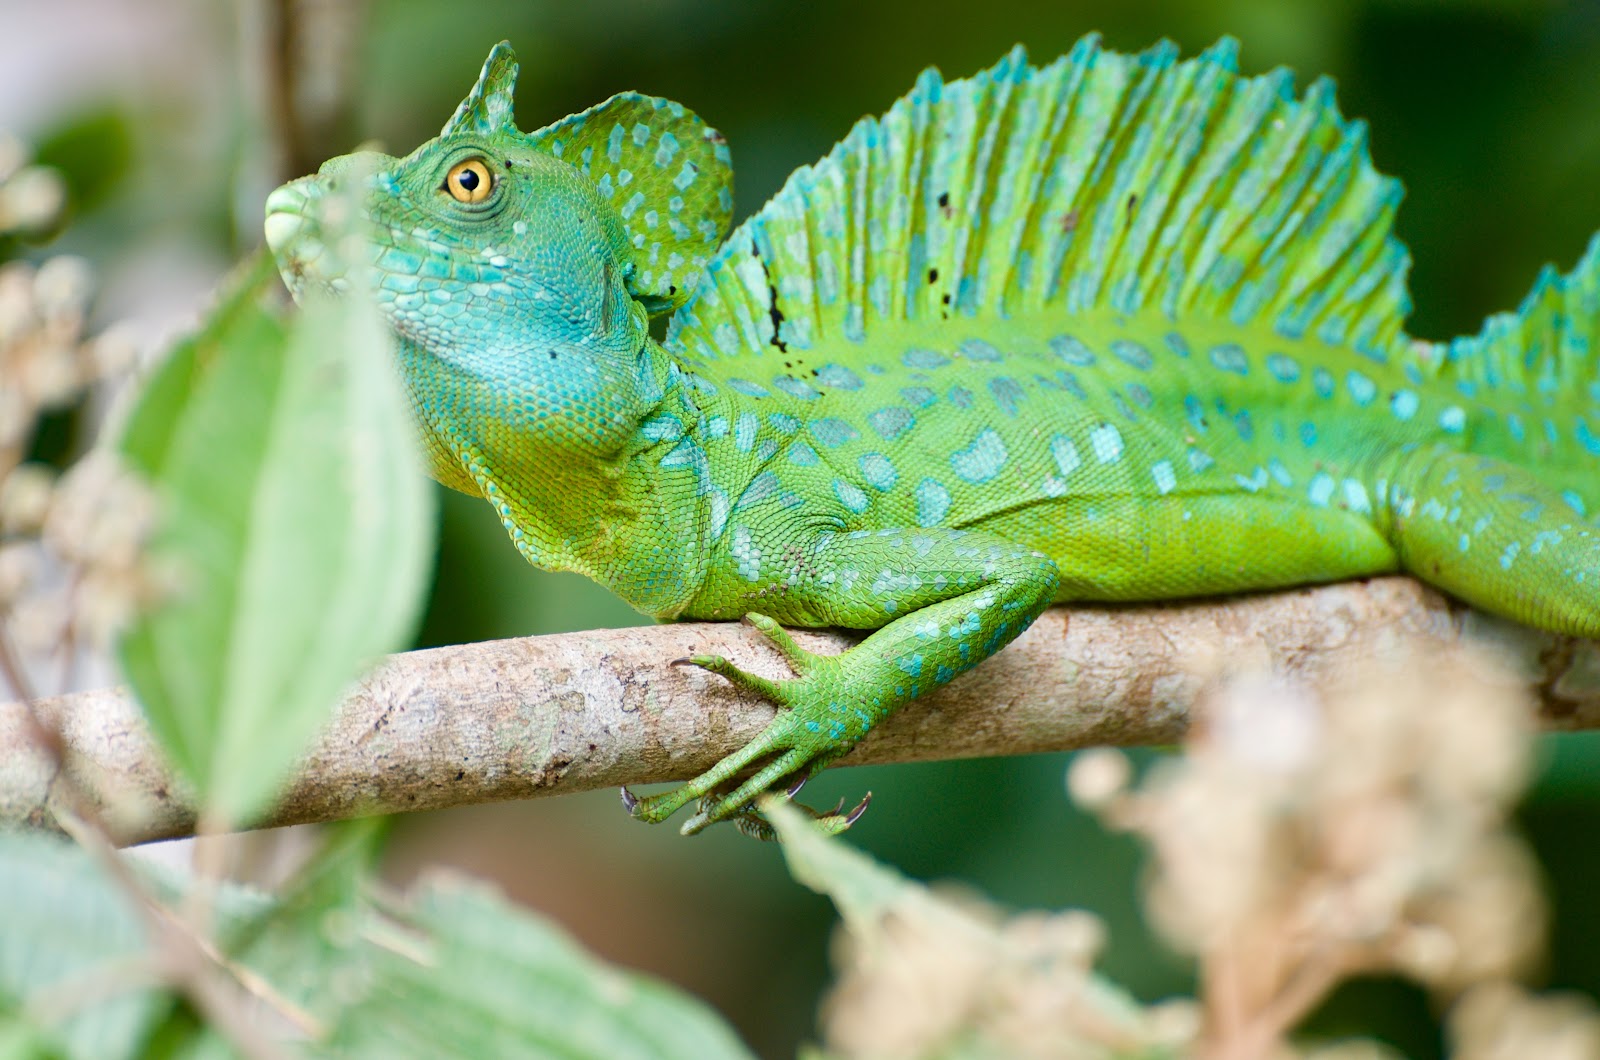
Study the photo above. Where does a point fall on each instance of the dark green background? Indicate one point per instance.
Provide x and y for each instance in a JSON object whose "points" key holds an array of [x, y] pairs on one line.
{"points": [[1490, 113]]}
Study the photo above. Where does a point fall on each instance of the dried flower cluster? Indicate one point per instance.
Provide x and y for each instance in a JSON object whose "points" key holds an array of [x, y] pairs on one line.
{"points": [[951, 976], [1308, 835], [70, 545]]}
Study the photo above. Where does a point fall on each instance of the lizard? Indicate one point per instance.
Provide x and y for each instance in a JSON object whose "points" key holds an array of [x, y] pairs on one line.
{"points": [[1123, 327]]}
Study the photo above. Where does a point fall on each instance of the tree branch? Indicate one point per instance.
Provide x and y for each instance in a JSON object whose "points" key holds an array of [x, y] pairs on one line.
{"points": [[514, 719]]}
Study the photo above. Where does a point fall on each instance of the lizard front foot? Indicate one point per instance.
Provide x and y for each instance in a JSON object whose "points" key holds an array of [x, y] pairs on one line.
{"points": [[821, 722]]}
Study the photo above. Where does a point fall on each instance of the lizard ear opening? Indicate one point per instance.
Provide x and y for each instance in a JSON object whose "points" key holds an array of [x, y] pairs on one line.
{"points": [[665, 172], [487, 108]]}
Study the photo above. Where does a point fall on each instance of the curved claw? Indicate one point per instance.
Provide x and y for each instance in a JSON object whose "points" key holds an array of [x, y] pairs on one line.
{"points": [[630, 801]]}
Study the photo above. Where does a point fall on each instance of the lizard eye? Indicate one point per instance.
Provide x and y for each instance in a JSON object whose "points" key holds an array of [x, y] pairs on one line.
{"points": [[469, 181]]}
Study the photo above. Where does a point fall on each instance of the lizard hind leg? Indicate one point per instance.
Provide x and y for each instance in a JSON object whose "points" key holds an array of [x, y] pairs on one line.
{"points": [[1493, 534]]}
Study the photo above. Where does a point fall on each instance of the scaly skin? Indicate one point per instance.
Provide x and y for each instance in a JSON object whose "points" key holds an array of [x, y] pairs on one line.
{"points": [[1121, 328]]}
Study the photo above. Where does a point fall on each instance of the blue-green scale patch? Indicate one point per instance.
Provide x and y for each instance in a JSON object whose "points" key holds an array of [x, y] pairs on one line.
{"points": [[802, 455], [878, 471], [850, 495], [749, 389], [1403, 404], [1177, 344], [978, 350], [1586, 437], [1008, 394], [890, 422], [1162, 473], [1322, 382], [1284, 369], [744, 431], [1106, 441], [761, 487], [961, 397], [920, 396], [933, 502], [1453, 419], [832, 432], [1362, 389], [839, 377], [1065, 454], [982, 460], [1072, 350], [1230, 357], [783, 423], [926, 359], [797, 388], [1132, 353]]}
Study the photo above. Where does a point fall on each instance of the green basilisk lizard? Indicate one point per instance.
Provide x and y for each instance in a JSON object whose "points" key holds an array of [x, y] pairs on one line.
{"points": [[1122, 327]]}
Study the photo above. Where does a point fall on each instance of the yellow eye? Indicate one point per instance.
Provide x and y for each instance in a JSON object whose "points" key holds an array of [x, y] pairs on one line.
{"points": [[469, 181]]}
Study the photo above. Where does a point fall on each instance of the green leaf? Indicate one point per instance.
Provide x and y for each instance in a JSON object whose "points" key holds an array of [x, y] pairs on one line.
{"points": [[462, 972], [66, 931], [299, 523]]}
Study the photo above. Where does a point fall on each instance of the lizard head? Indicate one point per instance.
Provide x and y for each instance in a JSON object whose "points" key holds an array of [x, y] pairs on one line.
{"points": [[569, 235]]}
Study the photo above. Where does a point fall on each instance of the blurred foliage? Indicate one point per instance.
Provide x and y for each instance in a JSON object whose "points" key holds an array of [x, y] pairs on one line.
{"points": [[1485, 108]]}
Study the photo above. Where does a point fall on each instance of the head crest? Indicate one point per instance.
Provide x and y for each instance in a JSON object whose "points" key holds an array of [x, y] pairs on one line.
{"points": [[487, 107], [664, 171]]}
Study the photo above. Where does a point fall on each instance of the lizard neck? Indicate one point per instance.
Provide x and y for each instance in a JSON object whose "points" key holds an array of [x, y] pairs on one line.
{"points": [[568, 454]]}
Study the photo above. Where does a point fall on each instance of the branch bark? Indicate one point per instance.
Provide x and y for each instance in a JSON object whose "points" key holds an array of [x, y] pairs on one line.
{"points": [[515, 719]]}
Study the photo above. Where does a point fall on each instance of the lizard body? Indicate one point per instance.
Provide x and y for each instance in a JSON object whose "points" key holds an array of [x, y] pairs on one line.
{"points": [[1117, 328]]}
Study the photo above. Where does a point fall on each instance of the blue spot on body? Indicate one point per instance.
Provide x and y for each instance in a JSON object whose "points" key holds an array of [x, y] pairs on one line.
{"points": [[890, 422], [1308, 434], [1586, 437], [1453, 419], [832, 432], [798, 388], [982, 460], [920, 396], [1008, 394], [749, 389], [961, 397], [783, 423], [924, 359], [933, 502], [744, 431], [1362, 388], [1164, 478], [1230, 357], [1132, 353], [1321, 491], [802, 455], [761, 487], [878, 471], [1404, 404], [978, 350], [1072, 350], [1322, 382], [1177, 344], [838, 377], [1284, 369], [1106, 441], [850, 495], [1065, 454]]}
